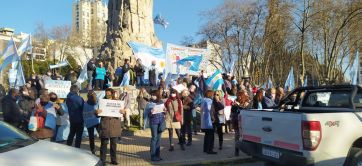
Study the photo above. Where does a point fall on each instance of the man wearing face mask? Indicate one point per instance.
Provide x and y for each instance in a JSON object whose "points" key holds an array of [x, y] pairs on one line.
{"points": [[11, 112], [59, 112], [153, 74]]}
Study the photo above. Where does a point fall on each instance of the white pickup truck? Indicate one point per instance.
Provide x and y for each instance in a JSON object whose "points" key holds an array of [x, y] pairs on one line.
{"points": [[312, 126]]}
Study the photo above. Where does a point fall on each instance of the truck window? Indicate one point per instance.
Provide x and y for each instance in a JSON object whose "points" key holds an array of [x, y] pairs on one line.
{"points": [[339, 99]]}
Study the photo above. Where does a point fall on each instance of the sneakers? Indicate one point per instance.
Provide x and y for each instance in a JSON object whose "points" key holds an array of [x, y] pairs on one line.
{"points": [[189, 144]]}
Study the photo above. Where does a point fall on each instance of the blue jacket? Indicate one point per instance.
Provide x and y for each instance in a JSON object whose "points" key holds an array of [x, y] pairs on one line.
{"points": [[268, 103], [100, 73], [206, 122], [75, 105]]}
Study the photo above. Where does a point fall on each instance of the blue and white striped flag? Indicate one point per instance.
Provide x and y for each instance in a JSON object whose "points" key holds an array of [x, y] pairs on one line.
{"points": [[25, 46], [215, 81], [289, 83], [83, 76], [354, 70], [8, 55], [160, 20]]}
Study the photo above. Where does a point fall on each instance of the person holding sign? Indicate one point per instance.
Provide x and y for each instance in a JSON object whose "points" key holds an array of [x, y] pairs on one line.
{"points": [[110, 128], [91, 121], [157, 123], [174, 118]]}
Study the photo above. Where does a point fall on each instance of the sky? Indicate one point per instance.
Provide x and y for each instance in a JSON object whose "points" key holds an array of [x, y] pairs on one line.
{"points": [[183, 16]]}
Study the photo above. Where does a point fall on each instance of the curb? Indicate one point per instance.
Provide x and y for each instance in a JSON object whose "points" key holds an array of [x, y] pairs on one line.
{"points": [[229, 161]]}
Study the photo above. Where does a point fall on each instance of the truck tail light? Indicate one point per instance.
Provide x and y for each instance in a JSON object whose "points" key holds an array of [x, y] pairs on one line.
{"points": [[311, 134]]}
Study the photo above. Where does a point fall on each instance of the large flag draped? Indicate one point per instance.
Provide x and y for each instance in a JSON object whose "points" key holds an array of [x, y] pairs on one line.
{"points": [[192, 62], [354, 70], [25, 46], [60, 64], [215, 81], [289, 83], [160, 20]]}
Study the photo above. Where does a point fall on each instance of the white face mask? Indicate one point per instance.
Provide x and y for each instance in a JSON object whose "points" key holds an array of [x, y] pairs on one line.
{"points": [[173, 95], [153, 97]]}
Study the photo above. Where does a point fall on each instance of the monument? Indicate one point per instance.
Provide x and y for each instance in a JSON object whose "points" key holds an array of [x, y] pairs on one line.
{"points": [[128, 20]]}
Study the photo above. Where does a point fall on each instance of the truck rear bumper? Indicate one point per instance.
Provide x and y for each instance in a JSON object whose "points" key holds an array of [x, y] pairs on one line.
{"points": [[285, 156]]}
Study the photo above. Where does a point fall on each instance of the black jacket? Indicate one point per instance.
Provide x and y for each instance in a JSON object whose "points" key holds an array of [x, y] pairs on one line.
{"points": [[91, 66], [11, 111], [140, 71]]}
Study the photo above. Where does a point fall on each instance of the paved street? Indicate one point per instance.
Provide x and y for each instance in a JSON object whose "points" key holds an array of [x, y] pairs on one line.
{"points": [[134, 151]]}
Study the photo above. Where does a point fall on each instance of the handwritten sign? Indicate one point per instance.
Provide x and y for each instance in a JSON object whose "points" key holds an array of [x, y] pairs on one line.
{"points": [[61, 88], [111, 108]]}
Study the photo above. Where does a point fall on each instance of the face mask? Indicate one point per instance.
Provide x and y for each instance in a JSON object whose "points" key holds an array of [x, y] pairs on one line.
{"points": [[173, 95], [153, 97], [53, 99], [43, 103]]}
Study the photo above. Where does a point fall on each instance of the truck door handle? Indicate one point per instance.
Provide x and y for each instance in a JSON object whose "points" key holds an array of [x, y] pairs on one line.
{"points": [[267, 129], [266, 119]]}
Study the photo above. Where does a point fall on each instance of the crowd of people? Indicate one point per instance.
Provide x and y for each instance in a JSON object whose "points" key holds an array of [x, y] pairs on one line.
{"points": [[194, 109]]}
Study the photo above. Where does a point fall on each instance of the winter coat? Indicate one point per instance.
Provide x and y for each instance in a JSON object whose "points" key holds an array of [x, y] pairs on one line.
{"points": [[75, 105], [110, 127], [174, 111], [139, 69], [152, 74], [11, 112], [206, 117], [268, 103], [27, 104], [142, 101], [188, 106]]}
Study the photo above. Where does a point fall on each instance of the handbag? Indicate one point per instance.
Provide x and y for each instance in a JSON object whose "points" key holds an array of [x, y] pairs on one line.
{"points": [[162, 126]]}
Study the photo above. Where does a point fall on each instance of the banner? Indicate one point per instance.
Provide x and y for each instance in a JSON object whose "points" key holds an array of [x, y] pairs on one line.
{"points": [[61, 88], [110, 108], [176, 53]]}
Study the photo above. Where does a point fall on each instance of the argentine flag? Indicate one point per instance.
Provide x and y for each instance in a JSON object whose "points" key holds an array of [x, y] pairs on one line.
{"points": [[9, 54], [148, 54], [192, 62], [215, 81], [25, 46], [289, 83]]}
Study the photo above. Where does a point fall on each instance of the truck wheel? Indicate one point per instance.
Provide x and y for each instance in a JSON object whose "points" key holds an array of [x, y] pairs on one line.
{"points": [[356, 158]]}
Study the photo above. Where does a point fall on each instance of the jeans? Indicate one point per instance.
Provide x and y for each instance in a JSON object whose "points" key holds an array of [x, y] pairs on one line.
{"points": [[91, 136], [140, 80], [186, 128], [99, 84], [155, 141], [113, 150], [54, 139], [209, 140], [76, 129]]}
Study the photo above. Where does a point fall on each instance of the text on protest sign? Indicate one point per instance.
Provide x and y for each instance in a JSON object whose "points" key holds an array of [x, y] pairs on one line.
{"points": [[110, 108], [61, 88]]}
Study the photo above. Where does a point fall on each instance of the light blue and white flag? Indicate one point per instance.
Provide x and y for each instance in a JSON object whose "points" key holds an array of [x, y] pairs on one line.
{"points": [[25, 46], [148, 54], [191, 62], [160, 20], [83, 76], [270, 84], [215, 81], [20, 79], [289, 83], [60, 64], [8, 55], [305, 84], [354, 70]]}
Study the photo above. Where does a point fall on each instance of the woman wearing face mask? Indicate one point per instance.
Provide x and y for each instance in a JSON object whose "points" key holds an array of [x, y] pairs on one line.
{"points": [[42, 132], [110, 130], [174, 118], [59, 112], [91, 121], [218, 113], [188, 106], [157, 124]]}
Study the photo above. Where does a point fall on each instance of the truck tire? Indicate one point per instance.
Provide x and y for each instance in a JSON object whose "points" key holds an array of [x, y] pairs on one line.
{"points": [[356, 158]]}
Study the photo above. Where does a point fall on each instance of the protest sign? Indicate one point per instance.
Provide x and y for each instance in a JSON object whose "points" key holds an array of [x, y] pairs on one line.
{"points": [[110, 108], [61, 88], [176, 53], [159, 108]]}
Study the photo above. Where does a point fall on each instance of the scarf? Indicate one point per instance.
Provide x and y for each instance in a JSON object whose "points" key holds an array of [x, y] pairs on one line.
{"points": [[178, 113]]}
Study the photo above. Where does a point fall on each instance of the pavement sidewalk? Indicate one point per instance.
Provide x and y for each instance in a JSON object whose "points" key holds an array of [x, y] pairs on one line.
{"points": [[134, 151]]}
